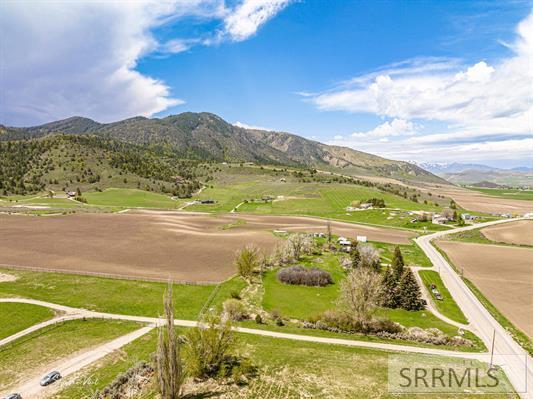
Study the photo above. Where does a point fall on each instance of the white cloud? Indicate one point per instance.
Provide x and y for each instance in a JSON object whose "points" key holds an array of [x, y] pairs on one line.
{"points": [[396, 127], [480, 107], [65, 58], [244, 21], [470, 97], [246, 126]]}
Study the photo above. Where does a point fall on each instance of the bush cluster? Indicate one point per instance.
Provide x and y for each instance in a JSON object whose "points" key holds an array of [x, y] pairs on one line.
{"points": [[235, 309], [116, 389], [340, 322], [301, 275], [430, 336]]}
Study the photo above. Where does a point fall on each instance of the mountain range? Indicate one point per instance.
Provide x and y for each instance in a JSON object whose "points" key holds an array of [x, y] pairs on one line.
{"points": [[205, 136]]}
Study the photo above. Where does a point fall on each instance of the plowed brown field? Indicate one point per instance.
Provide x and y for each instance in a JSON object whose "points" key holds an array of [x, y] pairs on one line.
{"points": [[503, 274], [520, 232], [182, 246]]}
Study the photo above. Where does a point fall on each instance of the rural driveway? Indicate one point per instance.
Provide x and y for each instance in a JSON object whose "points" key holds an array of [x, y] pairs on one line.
{"points": [[515, 361], [31, 389]]}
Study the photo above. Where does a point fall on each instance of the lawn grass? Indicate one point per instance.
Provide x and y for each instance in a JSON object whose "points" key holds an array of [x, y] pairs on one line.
{"points": [[302, 302], [412, 254], [54, 342], [131, 198], [15, 317], [131, 297], [447, 306], [287, 369], [506, 193]]}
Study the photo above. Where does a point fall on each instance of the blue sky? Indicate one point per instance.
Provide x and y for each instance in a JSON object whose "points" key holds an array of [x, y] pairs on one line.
{"points": [[432, 81]]}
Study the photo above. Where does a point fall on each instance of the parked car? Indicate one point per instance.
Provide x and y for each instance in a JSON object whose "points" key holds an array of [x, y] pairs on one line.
{"points": [[13, 396], [50, 378]]}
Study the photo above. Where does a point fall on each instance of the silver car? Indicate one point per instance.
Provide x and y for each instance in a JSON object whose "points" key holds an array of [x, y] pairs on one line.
{"points": [[50, 378]]}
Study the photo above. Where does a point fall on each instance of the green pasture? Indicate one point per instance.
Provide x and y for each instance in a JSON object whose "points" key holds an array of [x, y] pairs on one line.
{"points": [[15, 317]]}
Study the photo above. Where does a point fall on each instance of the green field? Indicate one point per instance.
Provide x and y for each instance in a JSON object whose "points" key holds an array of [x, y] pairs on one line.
{"points": [[506, 193], [447, 306], [55, 342], [287, 369], [131, 198], [130, 297], [15, 317]]}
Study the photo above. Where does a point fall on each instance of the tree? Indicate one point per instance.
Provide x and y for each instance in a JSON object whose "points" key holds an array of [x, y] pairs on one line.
{"points": [[355, 256], [247, 261], [360, 295], [390, 293], [397, 264], [328, 231], [209, 345], [169, 365], [410, 296], [299, 244], [78, 192], [368, 257]]}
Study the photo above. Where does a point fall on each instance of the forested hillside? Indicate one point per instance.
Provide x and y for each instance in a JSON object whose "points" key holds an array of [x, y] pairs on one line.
{"points": [[67, 162], [205, 136]]}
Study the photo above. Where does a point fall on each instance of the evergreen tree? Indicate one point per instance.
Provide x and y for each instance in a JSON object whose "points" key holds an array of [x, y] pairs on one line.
{"points": [[398, 264], [410, 296], [389, 286], [355, 256]]}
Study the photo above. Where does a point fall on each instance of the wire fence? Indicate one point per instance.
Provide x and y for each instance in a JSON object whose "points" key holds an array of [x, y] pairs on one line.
{"points": [[105, 275]]}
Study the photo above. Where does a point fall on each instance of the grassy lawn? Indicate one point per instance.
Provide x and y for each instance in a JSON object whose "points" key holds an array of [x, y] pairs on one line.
{"points": [[412, 254], [131, 297], [131, 198], [301, 302], [52, 343], [15, 317], [287, 369], [506, 193], [447, 306]]}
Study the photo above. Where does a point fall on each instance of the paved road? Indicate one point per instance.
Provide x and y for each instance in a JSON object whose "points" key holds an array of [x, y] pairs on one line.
{"points": [[516, 362]]}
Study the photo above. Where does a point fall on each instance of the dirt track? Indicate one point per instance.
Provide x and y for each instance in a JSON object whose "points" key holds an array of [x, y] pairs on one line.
{"points": [[183, 246], [503, 275], [512, 233]]}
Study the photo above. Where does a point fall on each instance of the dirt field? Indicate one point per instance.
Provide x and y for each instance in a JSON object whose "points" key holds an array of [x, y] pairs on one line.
{"points": [[503, 274], [183, 246], [512, 233], [476, 201]]}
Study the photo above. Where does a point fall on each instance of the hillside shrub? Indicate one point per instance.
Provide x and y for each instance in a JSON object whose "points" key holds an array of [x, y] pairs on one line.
{"points": [[235, 310], [301, 275]]}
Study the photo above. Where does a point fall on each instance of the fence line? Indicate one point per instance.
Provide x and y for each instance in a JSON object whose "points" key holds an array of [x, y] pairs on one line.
{"points": [[106, 275]]}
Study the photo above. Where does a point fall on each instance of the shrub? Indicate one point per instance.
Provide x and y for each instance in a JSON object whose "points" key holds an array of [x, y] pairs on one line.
{"points": [[247, 261], [132, 379], [208, 346], [258, 319], [235, 310], [301, 275], [235, 294]]}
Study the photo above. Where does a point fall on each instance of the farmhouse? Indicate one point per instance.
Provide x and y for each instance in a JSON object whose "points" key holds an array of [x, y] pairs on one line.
{"points": [[439, 219], [361, 238], [70, 194]]}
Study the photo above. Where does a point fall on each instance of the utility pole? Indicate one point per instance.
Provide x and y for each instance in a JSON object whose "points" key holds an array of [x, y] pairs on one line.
{"points": [[492, 349]]}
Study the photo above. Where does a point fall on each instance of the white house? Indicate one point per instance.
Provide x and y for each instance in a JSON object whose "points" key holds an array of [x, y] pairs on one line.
{"points": [[361, 238]]}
